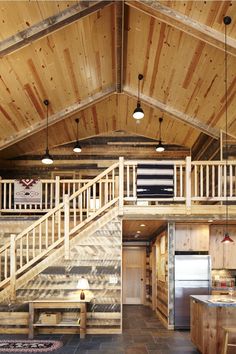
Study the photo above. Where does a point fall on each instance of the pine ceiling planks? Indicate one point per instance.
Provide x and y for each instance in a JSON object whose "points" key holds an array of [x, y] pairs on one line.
{"points": [[181, 70], [64, 67], [77, 65]]}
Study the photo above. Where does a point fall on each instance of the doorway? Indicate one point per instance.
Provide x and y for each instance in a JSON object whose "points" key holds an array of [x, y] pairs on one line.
{"points": [[134, 264]]}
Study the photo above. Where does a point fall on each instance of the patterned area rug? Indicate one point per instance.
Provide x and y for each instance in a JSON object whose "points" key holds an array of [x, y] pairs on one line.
{"points": [[29, 346]]}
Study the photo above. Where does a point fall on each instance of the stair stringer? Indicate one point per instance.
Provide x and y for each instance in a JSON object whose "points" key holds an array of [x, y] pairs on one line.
{"points": [[58, 253]]}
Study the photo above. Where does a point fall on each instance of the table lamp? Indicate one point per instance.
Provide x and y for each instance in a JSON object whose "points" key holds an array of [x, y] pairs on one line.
{"points": [[82, 285]]}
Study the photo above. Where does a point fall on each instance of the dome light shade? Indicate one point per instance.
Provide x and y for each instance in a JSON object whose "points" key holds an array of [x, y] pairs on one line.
{"points": [[227, 238], [77, 147], [47, 158], [160, 147], [138, 112]]}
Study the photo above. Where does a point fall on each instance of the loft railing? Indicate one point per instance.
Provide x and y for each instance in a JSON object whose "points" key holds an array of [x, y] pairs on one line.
{"points": [[58, 226], [53, 192], [194, 182]]}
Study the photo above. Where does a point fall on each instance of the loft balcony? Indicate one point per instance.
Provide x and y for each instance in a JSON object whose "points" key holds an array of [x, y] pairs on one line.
{"points": [[200, 189]]}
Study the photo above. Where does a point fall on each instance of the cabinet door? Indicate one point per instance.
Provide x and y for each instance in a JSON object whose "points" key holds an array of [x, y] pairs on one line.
{"points": [[196, 328], [230, 250], [190, 237], [216, 247], [182, 237], [199, 237]]}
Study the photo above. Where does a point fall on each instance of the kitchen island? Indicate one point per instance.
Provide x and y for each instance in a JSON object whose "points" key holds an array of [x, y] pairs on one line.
{"points": [[209, 314]]}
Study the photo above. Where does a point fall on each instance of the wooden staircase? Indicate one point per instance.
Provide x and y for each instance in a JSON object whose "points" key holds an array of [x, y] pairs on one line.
{"points": [[35, 248]]}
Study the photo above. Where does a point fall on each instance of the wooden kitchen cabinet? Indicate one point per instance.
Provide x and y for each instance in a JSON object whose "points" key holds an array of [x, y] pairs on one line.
{"points": [[196, 324], [192, 237], [222, 255]]}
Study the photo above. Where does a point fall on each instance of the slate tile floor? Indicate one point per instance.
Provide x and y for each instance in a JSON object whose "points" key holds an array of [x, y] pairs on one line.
{"points": [[143, 333]]}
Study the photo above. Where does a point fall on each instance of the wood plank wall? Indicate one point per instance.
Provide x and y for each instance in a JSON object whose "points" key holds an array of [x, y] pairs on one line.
{"points": [[97, 257], [162, 277]]}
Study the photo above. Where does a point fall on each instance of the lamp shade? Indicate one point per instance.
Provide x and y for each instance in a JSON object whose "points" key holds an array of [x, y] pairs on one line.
{"points": [[83, 284], [138, 112], [77, 147], [47, 158], [160, 147], [227, 238]]}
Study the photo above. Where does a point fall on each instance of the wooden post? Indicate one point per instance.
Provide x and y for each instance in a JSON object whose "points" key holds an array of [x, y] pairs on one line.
{"points": [[188, 181], [12, 267], [83, 315], [0, 194], [57, 191], [31, 320], [66, 226], [121, 185]]}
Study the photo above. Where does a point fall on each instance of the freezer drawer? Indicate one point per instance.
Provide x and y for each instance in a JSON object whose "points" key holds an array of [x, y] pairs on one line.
{"points": [[183, 290]]}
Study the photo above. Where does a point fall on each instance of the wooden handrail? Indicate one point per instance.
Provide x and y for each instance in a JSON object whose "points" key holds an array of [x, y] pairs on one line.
{"points": [[93, 181], [39, 221], [54, 243]]}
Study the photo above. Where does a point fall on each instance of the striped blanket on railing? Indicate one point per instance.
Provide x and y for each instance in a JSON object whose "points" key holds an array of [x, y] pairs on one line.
{"points": [[155, 180]]}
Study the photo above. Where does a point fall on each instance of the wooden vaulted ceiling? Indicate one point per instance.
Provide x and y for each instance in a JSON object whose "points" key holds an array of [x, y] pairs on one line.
{"points": [[85, 57]]}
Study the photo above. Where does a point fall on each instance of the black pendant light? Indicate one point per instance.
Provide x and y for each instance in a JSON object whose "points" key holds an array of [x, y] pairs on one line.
{"points": [[47, 158], [138, 112], [227, 238], [160, 147], [77, 147]]}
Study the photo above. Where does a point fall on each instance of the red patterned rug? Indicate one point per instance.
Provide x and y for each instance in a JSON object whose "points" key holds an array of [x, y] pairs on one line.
{"points": [[29, 346]]}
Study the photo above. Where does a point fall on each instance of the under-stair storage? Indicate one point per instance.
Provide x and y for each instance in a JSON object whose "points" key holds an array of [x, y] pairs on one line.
{"points": [[57, 315]]}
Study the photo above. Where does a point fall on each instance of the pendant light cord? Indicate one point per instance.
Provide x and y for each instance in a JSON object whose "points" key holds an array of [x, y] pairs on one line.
{"points": [[160, 121], [47, 126], [226, 126], [77, 134], [46, 102]]}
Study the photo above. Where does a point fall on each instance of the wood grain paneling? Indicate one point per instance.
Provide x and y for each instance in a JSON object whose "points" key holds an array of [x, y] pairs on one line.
{"points": [[107, 49]]}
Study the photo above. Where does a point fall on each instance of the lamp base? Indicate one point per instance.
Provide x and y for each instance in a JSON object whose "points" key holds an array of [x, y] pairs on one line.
{"points": [[82, 295]]}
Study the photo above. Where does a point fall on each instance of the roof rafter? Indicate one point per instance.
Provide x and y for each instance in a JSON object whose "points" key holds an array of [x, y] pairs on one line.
{"points": [[184, 23], [50, 24], [183, 117], [57, 117], [119, 13]]}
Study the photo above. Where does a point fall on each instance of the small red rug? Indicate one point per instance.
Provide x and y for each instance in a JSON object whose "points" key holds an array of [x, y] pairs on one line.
{"points": [[29, 346]]}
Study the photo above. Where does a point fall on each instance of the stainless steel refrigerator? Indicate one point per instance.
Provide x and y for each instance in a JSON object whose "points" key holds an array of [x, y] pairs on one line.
{"points": [[192, 277]]}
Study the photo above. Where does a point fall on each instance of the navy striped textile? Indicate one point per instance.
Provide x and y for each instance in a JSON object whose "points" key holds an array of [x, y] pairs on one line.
{"points": [[155, 180]]}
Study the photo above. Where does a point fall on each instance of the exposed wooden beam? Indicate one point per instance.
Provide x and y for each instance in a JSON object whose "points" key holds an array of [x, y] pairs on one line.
{"points": [[184, 23], [185, 118], [50, 24], [57, 117], [119, 13]]}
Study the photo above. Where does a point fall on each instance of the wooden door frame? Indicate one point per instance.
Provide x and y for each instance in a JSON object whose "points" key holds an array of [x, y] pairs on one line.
{"points": [[154, 278], [143, 248]]}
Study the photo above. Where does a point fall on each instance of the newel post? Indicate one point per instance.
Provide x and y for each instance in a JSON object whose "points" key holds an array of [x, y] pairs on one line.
{"points": [[188, 181], [121, 185], [12, 267], [67, 226]]}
